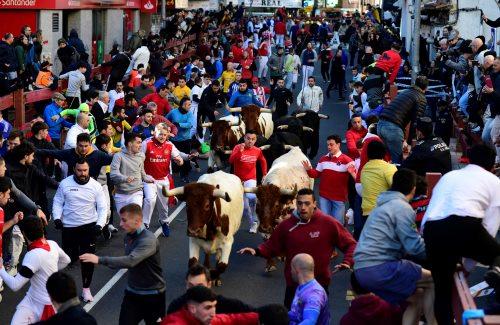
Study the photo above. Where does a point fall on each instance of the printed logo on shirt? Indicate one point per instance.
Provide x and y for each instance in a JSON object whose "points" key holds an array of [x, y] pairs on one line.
{"points": [[166, 152], [314, 234]]}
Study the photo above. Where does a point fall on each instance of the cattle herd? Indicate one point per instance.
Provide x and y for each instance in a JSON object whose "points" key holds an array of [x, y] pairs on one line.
{"points": [[214, 204]]}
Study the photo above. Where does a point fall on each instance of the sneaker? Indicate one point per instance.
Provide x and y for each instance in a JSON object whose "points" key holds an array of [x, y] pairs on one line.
{"points": [[0, 298], [106, 233], [253, 228], [112, 229], [165, 229], [492, 277], [146, 225], [86, 295]]}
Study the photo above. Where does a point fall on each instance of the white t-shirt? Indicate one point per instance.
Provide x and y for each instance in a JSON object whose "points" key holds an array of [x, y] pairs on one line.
{"points": [[469, 192]]}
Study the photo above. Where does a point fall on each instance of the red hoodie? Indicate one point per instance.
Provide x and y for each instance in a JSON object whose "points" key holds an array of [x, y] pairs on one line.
{"points": [[245, 162], [364, 156], [389, 61], [161, 103], [352, 136], [371, 310], [318, 238]]}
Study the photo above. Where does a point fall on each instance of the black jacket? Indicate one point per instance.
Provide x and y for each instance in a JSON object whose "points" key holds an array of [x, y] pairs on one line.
{"points": [[281, 96], [374, 88], [224, 305], [75, 315], [32, 181], [429, 155], [405, 108], [7, 56], [208, 100], [98, 114], [119, 65]]}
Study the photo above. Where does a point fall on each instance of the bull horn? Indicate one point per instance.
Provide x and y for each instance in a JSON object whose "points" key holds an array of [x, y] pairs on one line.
{"points": [[250, 189], [207, 125], [265, 110], [265, 147], [308, 129], [288, 147], [300, 114], [218, 193], [282, 127], [235, 109], [173, 192], [228, 152], [326, 117]]}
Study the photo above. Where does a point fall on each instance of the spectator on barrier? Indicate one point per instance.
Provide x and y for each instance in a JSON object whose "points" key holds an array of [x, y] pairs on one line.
{"points": [[66, 54], [8, 59], [403, 110], [76, 42], [76, 84]]}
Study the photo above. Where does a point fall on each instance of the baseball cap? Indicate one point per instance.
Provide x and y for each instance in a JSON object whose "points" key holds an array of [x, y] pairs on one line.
{"points": [[84, 108], [58, 96]]}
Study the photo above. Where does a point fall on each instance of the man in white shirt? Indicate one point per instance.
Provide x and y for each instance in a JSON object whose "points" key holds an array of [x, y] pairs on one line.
{"points": [[310, 97], [141, 55], [81, 126], [462, 220], [80, 210], [43, 258], [114, 95]]}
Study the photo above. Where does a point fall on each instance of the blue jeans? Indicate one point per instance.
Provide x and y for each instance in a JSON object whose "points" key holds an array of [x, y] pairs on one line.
{"points": [[463, 103], [333, 208], [289, 80], [393, 137], [486, 135]]}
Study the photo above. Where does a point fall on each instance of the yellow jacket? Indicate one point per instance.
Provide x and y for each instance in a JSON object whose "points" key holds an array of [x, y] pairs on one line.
{"points": [[227, 78], [376, 177]]}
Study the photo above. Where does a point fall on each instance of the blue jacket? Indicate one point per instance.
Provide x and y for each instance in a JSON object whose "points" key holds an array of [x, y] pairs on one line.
{"points": [[183, 122], [54, 126], [218, 69], [389, 233], [239, 99]]}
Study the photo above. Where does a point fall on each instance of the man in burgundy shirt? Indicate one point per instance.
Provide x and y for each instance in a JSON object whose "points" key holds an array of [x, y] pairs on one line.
{"points": [[355, 133], [309, 231], [244, 160]]}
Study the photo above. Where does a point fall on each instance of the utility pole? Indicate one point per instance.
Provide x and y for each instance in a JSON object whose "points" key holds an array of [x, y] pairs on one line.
{"points": [[416, 41]]}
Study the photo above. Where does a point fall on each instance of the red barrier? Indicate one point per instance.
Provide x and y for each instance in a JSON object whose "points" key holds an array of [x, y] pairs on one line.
{"points": [[18, 99]]}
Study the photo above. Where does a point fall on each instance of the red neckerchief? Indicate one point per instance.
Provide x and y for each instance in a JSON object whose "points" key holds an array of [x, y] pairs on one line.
{"points": [[39, 243]]}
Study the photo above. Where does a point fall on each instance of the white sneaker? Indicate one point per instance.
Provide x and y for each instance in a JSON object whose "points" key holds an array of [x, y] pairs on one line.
{"points": [[350, 217], [253, 228], [86, 295], [112, 229]]}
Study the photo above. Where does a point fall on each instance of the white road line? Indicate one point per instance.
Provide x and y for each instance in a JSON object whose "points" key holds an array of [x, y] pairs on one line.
{"points": [[118, 275]]}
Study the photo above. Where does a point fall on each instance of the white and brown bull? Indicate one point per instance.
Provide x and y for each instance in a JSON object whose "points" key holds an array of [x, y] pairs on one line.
{"points": [[214, 207], [255, 118], [276, 195], [225, 135]]}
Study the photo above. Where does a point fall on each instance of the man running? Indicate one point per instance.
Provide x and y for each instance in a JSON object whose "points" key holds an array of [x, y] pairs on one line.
{"points": [[159, 152], [43, 258], [244, 160]]}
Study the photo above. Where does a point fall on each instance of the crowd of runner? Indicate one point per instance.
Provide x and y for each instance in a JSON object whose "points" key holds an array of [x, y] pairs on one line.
{"points": [[109, 148]]}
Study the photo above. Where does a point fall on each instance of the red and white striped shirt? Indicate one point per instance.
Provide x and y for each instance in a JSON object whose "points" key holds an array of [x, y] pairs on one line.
{"points": [[334, 177]]}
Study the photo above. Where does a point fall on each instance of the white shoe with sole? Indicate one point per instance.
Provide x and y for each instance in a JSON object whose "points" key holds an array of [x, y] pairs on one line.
{"points": [[87, 295], [253, 228]]}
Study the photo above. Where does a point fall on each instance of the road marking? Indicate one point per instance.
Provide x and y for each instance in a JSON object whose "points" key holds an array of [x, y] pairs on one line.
{"points": [[118, 275]]}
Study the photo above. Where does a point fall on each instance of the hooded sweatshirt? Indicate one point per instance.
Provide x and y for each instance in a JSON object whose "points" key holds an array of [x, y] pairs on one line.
{"points": [[371, 310], [389, 233], [125, 165]]}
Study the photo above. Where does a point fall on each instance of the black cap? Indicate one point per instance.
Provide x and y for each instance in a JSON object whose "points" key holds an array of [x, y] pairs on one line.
{"points": [[424, 125], [200, 294]]}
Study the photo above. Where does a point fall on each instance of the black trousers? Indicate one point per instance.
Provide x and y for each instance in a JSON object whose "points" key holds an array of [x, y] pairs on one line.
{"points": [[446, 242], [77, 241], [136, 308], [202, 115], [325, 71], [183, 146], [290, 293], [73, 102], [337, 79]]}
